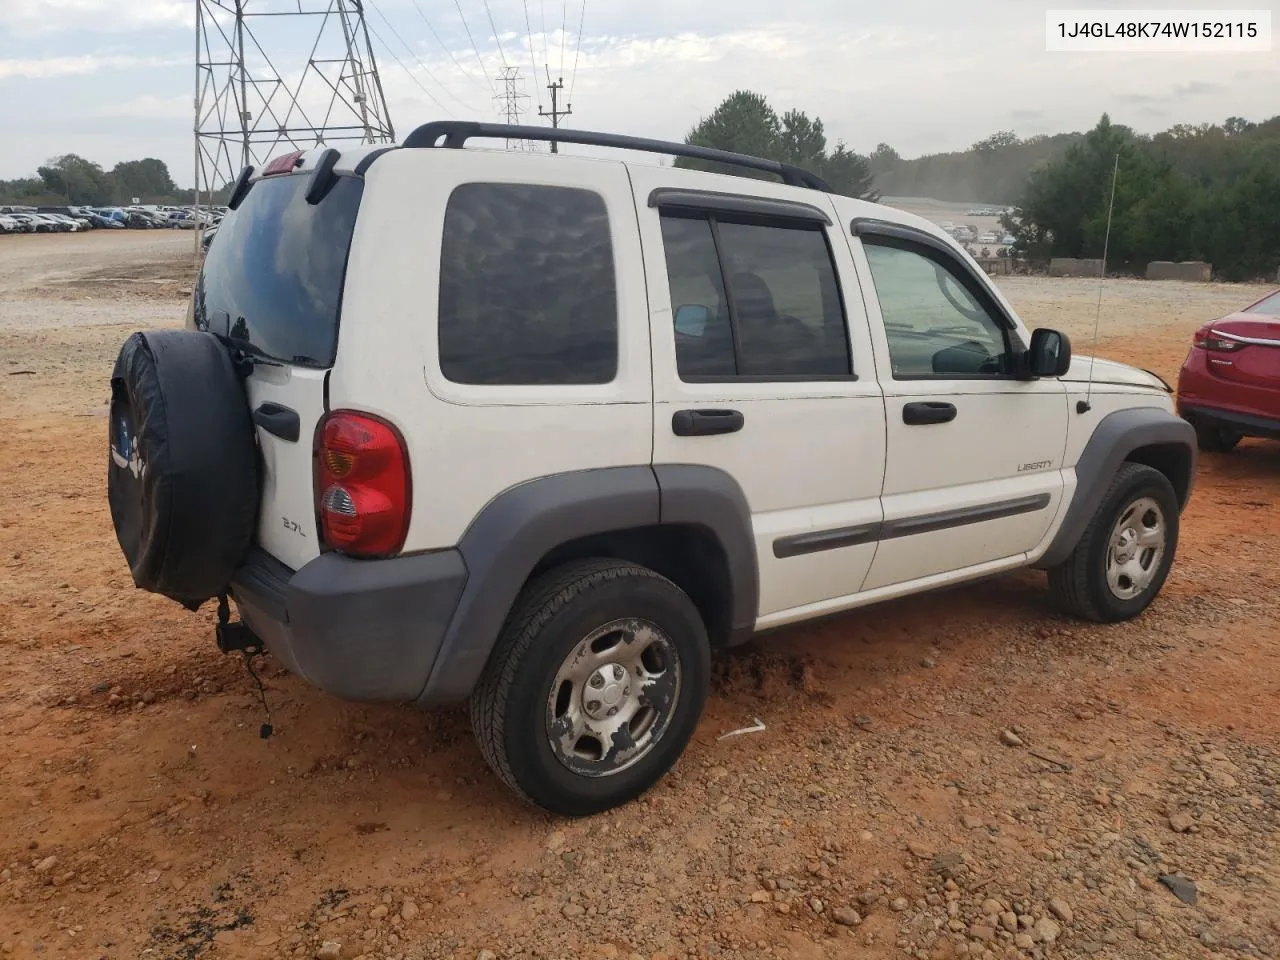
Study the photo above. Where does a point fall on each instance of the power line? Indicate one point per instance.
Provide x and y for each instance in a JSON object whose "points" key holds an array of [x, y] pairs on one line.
{"points": [[412, 76], [396, 33], [446, 49], [476, 50], [497, 39], [577, 49], [533, 64], [542, 13], [564, 13]]}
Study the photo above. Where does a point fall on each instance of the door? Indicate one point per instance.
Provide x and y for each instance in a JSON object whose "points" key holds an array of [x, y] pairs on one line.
{"points": [[762, 369], [974, 464]]}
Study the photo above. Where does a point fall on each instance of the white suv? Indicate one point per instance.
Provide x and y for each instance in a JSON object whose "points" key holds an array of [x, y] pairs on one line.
{"points": [[544, 431]]}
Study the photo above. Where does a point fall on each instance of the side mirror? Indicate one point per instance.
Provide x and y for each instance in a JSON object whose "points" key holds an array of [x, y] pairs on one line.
{"points": [[691, 319], [1049, 354]]}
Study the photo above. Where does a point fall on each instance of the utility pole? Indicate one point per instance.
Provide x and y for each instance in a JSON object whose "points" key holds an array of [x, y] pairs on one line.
{"points": [[555, 113]]}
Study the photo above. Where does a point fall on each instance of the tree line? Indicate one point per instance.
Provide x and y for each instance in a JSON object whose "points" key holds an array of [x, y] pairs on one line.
{"points": [[1206, 192], [73, 180]]}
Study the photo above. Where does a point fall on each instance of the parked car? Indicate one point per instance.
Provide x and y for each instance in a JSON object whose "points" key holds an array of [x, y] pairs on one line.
{"points": [[1229, 385], [589, 420], [37, 224], [10, 224], [1008, 239], [988, 238]]}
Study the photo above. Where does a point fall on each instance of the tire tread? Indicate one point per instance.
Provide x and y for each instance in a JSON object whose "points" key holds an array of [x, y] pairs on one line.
{"points": [[540, 601], [1069, 580]]}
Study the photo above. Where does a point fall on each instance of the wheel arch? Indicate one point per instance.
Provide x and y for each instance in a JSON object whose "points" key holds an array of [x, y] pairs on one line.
{"points": [[689, 523], [1146, 435]]}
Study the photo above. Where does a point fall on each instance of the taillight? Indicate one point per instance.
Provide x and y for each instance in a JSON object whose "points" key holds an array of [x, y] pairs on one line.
{"points": [[362, 484], [1212, 340]]}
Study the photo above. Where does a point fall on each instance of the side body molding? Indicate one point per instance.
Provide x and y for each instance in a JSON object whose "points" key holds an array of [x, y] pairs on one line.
{"points": [[515, 530], [1114, 440]]}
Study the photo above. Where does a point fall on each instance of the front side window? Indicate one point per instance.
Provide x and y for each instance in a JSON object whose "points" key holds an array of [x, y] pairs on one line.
{"points": [[934, 324], [751, 299], [527, 287]]}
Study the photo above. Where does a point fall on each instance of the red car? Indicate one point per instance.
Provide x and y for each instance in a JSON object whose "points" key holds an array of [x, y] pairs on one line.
{"points": [[1229, 386]]}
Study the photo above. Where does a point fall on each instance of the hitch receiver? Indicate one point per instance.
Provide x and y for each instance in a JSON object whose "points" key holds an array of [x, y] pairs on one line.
{"points": [[236, 636]]}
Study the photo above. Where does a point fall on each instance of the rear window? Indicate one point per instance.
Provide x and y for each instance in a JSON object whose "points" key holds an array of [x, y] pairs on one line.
{"points": [[273, 275], [1269, 306]]}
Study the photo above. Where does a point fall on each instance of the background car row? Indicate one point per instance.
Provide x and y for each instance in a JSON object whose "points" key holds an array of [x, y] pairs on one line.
{"points": [[69, 219]]}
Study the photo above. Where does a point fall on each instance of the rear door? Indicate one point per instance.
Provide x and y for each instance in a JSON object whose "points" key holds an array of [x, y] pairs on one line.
{"points": [[762, 368], [272, 287]]}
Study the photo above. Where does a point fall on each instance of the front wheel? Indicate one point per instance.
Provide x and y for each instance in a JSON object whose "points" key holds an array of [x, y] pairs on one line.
{"points": [[1125, 552], [594, 688]]}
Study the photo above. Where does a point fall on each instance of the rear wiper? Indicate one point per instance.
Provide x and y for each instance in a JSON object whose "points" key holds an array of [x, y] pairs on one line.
{"points": [[244, 351]]}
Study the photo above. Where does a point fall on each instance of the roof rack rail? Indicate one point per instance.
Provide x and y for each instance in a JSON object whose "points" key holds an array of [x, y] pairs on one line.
{"points": [[457, 132]]}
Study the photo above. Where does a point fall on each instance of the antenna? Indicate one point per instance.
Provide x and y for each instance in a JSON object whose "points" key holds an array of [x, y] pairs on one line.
{"points": [[1085, 405]]}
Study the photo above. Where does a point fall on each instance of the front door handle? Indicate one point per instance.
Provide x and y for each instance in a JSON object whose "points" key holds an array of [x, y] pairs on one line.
{"points": [[278, 420], [928, 411], [705, 423]]}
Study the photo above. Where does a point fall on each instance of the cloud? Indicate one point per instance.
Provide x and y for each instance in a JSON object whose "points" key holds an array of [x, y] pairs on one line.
{"points": [[1197, 88], [52, 16], [150, 107], [47, 67]]}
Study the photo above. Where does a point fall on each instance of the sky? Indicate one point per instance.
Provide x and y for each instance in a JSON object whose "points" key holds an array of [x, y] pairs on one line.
{"points": [[114, 80]]}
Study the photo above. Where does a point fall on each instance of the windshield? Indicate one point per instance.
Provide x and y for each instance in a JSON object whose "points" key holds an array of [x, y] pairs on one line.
{"points": [[1269, 306], [274, 278]]}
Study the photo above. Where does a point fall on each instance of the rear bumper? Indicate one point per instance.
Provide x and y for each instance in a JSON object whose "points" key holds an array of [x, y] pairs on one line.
{"points": [[1248, 424], [359, 629]]}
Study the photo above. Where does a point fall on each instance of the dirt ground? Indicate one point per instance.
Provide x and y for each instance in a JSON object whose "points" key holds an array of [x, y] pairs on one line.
{"points": [[972, 776]]}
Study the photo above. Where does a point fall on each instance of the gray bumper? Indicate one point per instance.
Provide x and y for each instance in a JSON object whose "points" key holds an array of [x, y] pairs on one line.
{"points": [[359, 629]]}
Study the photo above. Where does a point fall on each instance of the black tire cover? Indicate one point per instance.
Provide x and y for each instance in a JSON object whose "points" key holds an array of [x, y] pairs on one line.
{"points": [[182, 472]]}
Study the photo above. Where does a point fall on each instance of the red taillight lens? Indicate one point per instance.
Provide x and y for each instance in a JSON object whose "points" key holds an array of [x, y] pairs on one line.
{"points": [[362, 484], [1212, 340]]}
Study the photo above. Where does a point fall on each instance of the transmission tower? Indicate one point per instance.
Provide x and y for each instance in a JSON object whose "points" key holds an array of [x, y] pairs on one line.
{"points": [[510, 102], [246, 110]]}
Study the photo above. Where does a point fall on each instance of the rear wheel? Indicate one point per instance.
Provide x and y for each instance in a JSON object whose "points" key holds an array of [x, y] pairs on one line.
{"points": [[1125, 553], [594, 688], [1213, 439]]}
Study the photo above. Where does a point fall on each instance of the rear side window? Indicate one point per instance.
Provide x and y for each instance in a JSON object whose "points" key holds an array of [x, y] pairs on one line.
{"points": [[274, 273], [527, 288]]}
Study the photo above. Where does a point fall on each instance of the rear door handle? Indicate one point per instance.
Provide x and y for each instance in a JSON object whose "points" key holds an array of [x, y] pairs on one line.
{"points": [[278, 420], [928, 411], [705, 423]]}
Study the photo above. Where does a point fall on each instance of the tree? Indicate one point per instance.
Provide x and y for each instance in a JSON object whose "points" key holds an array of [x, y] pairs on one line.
{"points": [[744, 122], [75, 178], [146, 179], [997, 141]]}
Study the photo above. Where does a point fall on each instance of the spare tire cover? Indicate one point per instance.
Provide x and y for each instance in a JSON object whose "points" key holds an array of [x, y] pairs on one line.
{"points": [[182, 475]]}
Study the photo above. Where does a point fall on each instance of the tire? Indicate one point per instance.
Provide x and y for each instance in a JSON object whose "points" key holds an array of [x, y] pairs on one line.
{"points": [[526, 735], [1081, 585], [1213, 439], [182, 469]]}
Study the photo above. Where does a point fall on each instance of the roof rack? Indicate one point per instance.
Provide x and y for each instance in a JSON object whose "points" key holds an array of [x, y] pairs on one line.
{"points": [[457, 132]]}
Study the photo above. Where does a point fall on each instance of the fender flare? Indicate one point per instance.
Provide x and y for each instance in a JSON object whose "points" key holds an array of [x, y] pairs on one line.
{"points": [[516, 529], [1114, 440]]}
